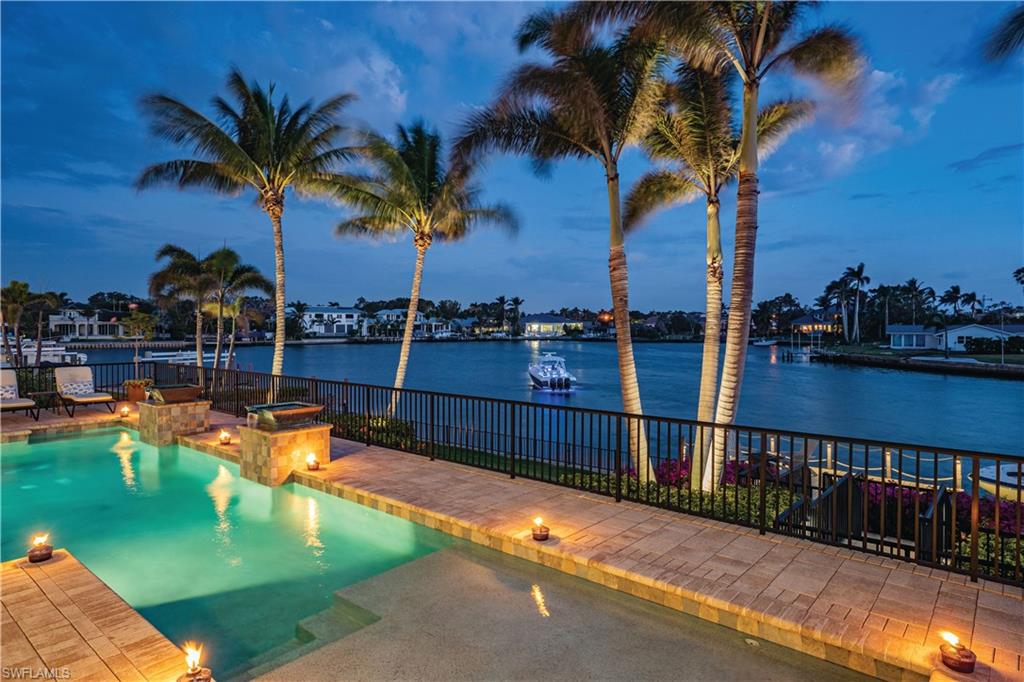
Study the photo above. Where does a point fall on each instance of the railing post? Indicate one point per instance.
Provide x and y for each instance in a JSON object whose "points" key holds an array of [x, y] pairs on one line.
{"points": [[512, 447], [618, 459], [238, 401], [975, 484], [762, 470], [366, 410], [431, 426]]}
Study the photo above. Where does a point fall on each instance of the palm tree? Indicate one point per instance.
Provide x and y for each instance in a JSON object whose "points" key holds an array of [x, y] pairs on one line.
{"points": [[413, 190], [13, 300], [259, 143], [1008, 36], [299, 309], [501, 305], [951, 297], [592, 101], [970, 301], [918, 295], [238, 311], [884, 292], [695, 133], [750, 37], [1018, 276], [516, 304], [233, 279], [855, 277], [837, 293], [42, 304], [183, 277]]}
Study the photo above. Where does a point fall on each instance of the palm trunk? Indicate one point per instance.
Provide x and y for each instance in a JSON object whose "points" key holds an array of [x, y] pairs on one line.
{"points": [[17, 345], [618, 275], [738, 329], [410, 319], [199, 333], [39, 338], [231, 343], [275, 210], [856, 316], [712, 342], [220, 331], [7, 344]]}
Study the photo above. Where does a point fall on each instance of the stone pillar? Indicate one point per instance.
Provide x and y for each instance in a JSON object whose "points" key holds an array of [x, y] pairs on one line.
{"points": [[162, 423], [269, 457]]}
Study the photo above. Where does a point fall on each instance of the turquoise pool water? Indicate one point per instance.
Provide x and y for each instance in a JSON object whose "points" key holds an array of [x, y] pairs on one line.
{"points": [[197, 550]]}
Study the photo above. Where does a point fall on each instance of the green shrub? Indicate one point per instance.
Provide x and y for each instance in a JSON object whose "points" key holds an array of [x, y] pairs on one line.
{"points": [[386, 431]]}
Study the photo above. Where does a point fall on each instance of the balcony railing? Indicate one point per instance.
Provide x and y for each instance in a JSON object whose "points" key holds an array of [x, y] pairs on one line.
{"points": [[945, 508]]}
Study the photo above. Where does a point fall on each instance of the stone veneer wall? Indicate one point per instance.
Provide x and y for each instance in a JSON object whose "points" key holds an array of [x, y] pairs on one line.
{"points": [[160, 424], [269, 457]]}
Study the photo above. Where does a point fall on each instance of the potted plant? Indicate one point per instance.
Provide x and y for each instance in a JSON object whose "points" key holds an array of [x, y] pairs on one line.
{"points": [[135, 389]]}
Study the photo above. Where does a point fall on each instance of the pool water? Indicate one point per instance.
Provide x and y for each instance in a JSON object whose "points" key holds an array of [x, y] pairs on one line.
{"points": [[200, 552]]}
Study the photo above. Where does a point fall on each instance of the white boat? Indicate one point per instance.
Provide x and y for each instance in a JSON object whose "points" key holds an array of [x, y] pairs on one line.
{"points": [[764, 342], [185, 357], [549, 373], [50, 354]]}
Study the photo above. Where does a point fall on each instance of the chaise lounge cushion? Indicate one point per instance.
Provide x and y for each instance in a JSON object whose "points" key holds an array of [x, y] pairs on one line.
{"points": [[76, 384], [16, 404], [92, 397]]}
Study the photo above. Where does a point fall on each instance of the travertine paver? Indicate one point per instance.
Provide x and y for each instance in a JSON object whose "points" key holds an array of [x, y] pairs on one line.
{"points": [[870, 613], [18, 426], [59, 617]]}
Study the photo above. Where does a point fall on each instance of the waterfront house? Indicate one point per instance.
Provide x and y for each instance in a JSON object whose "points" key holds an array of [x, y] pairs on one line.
{"points": [[546, 325], [322, 320], [74, 323], [816, 322], [960, 335], [422, 325], [911, 336]]}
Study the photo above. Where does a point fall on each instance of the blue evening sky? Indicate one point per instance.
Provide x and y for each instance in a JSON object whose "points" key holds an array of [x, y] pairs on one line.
{"points": [[922, 179]]}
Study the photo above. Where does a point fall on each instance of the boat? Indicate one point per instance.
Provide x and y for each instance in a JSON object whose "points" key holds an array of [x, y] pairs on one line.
{"points": [[764, 342], [549, 373], [50, 354], [1009, 478], [185, 357]]}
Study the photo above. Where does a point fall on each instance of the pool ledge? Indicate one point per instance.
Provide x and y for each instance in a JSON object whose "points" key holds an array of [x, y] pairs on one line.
{"points": [[58, 616], [874, 615]]}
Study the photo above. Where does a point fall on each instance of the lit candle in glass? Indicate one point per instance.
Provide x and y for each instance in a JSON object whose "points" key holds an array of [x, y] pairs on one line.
{"points": [[955, 655], [194, 672], [540, 531], [40, 550], [312, 463], [125, 411], [225, 437]]}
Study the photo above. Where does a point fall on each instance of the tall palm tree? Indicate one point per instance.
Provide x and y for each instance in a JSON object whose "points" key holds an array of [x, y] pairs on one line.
{"points": [[837, 293], [970, 301], [183, 277], [232, 279], [1018, 276], [883, 293], [14, 298], [695, 134], [951, 297], [42, 303], [592, 101], [1008, 36], [240, 313], [501, 304], [257, 143], [855, 278], [299, 309], [413, 190], [919, 296], [516, 303], [754, 39]]}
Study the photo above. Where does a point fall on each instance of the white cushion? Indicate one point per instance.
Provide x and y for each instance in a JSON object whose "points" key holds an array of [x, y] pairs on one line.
{"points": [[76, 388], [9, 392], [16, 403]]}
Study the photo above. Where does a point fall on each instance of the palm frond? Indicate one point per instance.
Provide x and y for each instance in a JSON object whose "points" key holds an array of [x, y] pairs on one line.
{"points": [[831, 55], [654, 191], [777, 120], [1008, 37]]}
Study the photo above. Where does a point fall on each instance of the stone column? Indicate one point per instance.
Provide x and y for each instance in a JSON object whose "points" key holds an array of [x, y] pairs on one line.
{"points": [[162, 423], [269, 457]]}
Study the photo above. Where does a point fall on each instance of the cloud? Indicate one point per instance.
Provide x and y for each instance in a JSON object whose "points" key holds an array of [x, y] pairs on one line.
{"points": [[868, 195], [327, 26], [839, 158], [988, 157], [932, 94], [374, 76]]}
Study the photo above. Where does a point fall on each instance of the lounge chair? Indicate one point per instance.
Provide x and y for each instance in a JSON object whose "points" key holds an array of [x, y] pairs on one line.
{"points": [[9, 398], [75, 386]]}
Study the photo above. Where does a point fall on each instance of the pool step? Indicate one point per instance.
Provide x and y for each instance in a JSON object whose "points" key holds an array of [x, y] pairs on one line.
{"points": [[341, 619]]}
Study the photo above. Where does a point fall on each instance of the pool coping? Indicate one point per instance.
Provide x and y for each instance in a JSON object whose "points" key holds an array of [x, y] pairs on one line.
{"points": [[869, 651]]}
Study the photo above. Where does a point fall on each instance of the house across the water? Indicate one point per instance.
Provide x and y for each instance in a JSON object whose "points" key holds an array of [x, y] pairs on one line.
{"points": [[544, 324], [919, 337]]}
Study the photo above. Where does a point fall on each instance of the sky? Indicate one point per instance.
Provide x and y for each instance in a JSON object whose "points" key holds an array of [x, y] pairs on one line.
{"points": [[922, 177]]}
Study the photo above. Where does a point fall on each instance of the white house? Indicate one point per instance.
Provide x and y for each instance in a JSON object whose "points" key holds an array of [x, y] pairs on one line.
{"points": [[422, 325], [917, 336], [74, 323], [322, 320], [545, 325], [959, 336]]}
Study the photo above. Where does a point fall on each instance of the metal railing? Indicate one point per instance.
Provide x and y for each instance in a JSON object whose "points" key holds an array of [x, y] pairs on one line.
{"points": [[941, 507], [108, 377]]}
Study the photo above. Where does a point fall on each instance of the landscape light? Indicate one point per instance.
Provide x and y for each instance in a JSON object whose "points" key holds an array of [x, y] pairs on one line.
{"points": [[225, 437], [312, 463], [540, 531], [40, 550], [194, 672], [955, 655]]}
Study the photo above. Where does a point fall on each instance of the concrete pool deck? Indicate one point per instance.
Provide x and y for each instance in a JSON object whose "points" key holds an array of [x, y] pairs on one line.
{"points": [[59, 617]]}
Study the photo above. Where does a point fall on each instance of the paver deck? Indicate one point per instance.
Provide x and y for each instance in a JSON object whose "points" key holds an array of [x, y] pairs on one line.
{"points": [[872, 614], [60, 619]]}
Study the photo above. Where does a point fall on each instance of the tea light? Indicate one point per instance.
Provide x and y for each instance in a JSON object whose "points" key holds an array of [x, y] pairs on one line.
{"points": [[955, 655], [312, 463], [40, 550], [125, 411], [194, 672], [540, 531], [225, 437]]}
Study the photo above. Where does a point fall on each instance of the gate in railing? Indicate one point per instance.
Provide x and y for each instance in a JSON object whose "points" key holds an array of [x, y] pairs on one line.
{"points": [[942, 507]]}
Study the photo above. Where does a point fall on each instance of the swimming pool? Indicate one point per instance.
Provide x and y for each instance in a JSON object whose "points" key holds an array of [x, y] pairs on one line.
{"points": [[200, 552]]}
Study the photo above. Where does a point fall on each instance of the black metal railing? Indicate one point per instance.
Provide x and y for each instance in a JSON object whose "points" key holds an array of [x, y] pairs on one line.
{"points": [[108, 377], [941, 507]]}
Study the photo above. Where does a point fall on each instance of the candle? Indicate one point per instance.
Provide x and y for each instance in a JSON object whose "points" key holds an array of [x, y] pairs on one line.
{"points": [[125, 411], [194, 672], [955, 655], [225, 437], [40, 550], [540, 531], [312, 463]]}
